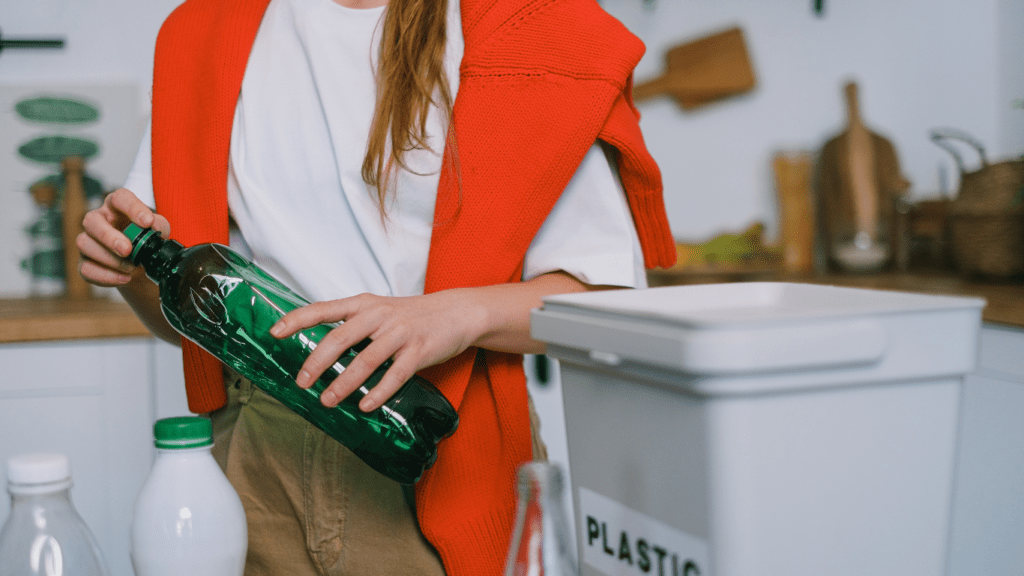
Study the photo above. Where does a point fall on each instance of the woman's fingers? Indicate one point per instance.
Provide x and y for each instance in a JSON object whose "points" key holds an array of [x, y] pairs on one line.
{"points": [[326, 353], [313, 315], [103, 245], [415, 332], [398, 374], [357, 372], [98, 231], [328, 349], [124, 203], [101, 266]]}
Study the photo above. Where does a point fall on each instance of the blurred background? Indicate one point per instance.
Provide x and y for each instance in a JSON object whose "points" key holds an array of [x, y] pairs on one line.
{"points": [[73, 371], [919, 65]]}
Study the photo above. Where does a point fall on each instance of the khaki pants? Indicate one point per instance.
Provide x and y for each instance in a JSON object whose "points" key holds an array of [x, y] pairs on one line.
{"points": [[314, 508]]}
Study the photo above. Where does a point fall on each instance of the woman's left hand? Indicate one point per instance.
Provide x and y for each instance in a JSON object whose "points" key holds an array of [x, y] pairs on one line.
{"points": [[414, 331], [417, 331]]}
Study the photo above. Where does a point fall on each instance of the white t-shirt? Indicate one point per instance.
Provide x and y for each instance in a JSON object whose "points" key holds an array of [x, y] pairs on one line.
{"points": [[295, 189]]}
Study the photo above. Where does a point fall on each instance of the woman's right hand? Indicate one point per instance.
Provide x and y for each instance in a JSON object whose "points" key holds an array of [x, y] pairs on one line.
{"points": [[103, 245]]}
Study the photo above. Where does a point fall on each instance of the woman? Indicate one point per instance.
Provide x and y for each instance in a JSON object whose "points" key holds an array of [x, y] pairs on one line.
{"points": [[426, 171]]}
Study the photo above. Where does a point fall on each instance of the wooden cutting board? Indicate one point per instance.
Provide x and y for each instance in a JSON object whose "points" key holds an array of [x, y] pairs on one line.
{"points": [[702, 71], [859, 178]]}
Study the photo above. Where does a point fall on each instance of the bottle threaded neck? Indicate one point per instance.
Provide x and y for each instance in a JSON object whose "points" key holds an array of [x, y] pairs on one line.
{"points": [[151, 251]]}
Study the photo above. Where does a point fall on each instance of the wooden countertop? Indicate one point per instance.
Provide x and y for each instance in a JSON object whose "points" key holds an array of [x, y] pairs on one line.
{"points": [[42, 319], [46, 319], [1004, 301]]}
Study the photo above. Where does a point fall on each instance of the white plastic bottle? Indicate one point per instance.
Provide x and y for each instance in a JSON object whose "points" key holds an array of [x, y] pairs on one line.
{"points": [[188, 518], [44, 535]]}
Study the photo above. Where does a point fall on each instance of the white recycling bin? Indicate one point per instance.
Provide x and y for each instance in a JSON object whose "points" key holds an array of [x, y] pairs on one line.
{"points": [[761, 429]]}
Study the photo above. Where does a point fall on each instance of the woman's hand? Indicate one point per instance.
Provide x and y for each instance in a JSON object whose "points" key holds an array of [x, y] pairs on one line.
{"points": [[417, 331], [103, 245], [105, 250]]}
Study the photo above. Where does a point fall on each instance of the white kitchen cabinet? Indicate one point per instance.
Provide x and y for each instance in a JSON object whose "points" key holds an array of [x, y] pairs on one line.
{"points": [[96, 401], [987, 534]]}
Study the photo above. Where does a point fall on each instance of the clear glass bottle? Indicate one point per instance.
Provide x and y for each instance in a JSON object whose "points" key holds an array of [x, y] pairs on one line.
{"points": [[540, 543], [44, 534], [187, 518], [226, 304]]}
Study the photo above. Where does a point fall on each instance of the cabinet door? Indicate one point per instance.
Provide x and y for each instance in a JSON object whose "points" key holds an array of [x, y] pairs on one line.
{"points": [[92, 400], [987, 530]]}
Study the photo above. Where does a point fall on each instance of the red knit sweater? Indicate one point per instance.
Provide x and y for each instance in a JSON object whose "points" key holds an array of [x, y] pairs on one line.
{"points": [[540, 81]]}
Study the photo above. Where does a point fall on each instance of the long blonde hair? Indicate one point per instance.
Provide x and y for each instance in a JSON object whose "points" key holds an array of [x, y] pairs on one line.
{"points": [[410, 73]]}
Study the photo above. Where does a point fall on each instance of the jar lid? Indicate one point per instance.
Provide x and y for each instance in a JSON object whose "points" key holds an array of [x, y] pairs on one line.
{"points": [[183, 432], [38, 473]]}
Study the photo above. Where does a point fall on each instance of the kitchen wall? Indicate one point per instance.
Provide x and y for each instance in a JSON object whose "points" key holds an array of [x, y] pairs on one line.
{"points": [[920, 64]]}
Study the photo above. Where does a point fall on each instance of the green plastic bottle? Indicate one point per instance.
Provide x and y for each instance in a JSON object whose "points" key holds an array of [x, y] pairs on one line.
{"points": [[223, 302]]}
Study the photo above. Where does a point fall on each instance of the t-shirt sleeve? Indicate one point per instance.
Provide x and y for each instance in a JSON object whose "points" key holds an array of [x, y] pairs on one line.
{"points": [[140, 177], [590, 233]]}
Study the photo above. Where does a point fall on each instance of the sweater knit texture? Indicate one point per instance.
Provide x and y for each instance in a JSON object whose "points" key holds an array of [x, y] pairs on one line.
{"points": [[540, 81]]}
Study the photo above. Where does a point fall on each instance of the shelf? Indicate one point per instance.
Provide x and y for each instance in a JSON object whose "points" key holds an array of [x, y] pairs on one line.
{"points": [[45, 319]]}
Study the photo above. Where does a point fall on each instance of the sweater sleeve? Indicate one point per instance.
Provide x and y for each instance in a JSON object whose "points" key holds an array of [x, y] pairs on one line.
{"points": [[589, 233]]}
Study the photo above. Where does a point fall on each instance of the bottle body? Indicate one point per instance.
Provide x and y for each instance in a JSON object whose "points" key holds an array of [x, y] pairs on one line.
{"points": [[540, 544], [188, 519], [44, 535], [226, 304]]}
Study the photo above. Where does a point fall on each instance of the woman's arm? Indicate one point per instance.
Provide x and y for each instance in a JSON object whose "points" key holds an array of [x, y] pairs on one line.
{"points": [[419, 331]]}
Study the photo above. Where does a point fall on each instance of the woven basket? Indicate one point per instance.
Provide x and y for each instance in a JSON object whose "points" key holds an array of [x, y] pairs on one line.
{"points": [[986, 220], [988, 244]]}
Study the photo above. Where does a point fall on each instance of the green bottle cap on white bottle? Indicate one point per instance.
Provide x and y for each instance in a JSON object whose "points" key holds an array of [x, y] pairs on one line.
{"points": [[183, 432]]}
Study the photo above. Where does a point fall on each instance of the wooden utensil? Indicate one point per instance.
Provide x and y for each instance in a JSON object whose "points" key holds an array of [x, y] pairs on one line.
{"points": [[73, 211], [701, 71], [859, 181], [860, 168]]}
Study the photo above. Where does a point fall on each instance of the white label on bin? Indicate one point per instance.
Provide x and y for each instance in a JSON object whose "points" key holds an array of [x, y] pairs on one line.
{"points": [[619, 541]]}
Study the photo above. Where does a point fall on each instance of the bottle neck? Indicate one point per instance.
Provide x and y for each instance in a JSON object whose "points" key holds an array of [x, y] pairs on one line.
{"points": [[60, 497], [155, 254], [197, 451], [540, 482]]}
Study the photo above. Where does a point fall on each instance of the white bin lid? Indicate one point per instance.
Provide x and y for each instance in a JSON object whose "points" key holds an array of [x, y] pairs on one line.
{"points": [[734, 328]]}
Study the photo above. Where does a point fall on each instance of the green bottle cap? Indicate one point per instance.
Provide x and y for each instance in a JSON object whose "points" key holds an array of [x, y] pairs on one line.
{"points": [[133, 231], [183, 432], [137, 236]]}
